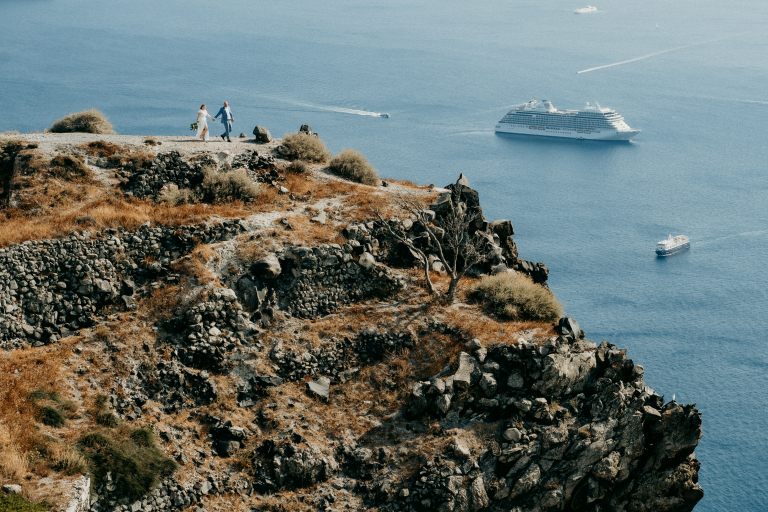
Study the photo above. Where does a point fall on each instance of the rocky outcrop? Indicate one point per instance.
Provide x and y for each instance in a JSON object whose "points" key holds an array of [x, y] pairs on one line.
{"points": [[580, 430]]}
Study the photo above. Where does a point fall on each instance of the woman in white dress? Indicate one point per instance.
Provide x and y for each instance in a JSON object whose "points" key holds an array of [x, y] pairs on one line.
{"points": [[202, 123]]}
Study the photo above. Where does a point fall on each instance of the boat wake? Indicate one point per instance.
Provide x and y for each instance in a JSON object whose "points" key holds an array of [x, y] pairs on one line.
{"points": [[655, 54], [720, 239], [329, 108]]}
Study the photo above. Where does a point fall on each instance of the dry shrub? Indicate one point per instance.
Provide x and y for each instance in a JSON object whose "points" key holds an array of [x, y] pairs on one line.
{"points": [[68, 168], [163, 302], [151, 141], [515, 296], [87, 121], [104, 148], [140, 159], [353, 166], [178, 196], [195, 264], [13, 463], [226, 187], [297, 167], [300, 146]]}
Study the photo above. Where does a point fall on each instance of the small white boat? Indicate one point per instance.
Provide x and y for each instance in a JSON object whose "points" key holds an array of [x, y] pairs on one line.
{"points": [[672, 245], [383, 115], [585, 10]]}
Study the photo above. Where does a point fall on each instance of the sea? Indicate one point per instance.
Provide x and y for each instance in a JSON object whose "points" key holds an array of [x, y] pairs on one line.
{"points": [[446, 71]]}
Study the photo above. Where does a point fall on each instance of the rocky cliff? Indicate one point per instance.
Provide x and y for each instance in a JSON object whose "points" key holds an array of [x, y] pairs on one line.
{"points": [[283, 353]]}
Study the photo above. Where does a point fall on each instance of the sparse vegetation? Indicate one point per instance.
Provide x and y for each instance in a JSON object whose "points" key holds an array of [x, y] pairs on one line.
{"points": [[297, 167], [131, 456], [68, 168], [178, 196], [300, 146], [102, 414], [151, 141], [516, 297], [87, 121], [18, 503], [226, 187], [353, 166]]}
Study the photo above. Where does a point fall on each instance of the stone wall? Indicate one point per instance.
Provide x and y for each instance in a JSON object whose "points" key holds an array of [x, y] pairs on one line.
{"points": [[50, 288]]}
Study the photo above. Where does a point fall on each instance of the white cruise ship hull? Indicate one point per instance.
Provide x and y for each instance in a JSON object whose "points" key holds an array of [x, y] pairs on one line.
{"points": [[603, 134]]}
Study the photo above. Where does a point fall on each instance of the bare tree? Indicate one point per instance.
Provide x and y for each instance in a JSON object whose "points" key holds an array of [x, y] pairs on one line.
{"points": [[449, 238]]}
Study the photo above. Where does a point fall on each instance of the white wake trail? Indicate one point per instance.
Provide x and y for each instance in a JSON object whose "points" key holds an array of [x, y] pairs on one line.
{"points": [[654, 54]]}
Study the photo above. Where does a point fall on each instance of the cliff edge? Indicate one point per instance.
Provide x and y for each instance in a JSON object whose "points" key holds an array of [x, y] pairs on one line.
{"points": [[202, 327]]}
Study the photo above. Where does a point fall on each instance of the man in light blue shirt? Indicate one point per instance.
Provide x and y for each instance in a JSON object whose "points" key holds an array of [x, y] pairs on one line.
{"points": [[226, 120]]}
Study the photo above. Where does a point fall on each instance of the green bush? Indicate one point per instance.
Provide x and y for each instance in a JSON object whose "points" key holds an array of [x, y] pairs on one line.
{"points": [[300, 146], [297, 167], [225, 187], [68, 168], [87, 121], [355, 167], [102, 414], [18, 503], [135, 462], [516, 297], [52, 416]]}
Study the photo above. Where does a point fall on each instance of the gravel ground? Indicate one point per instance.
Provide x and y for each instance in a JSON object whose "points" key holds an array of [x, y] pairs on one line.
{"points": [[183, 144]]}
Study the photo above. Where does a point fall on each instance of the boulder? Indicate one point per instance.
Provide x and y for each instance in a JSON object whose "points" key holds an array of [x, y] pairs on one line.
{"points": [[367, 261], [262, 135], [12, 489], [442, 205], [503, 228], [305, 128], [488, 384], [298, 466], [267, 267], [468, 366], [320, 218], [320, 388], [569, 328], [565, 373]]}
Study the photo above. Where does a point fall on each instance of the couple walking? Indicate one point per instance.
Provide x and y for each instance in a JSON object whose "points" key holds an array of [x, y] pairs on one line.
{"points": [[226, 120]]}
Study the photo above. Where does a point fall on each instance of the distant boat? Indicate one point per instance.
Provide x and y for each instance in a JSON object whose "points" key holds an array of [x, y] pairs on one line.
{"points": [[383, 115], [585, 10], [672, 245]]}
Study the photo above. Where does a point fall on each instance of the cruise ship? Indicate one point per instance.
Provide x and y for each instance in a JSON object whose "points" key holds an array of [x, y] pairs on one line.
{"points": [[672, 245], [541, 118]]}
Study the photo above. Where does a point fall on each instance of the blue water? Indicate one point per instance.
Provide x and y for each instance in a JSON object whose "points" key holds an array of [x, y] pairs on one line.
{"points": [[446, 72]]}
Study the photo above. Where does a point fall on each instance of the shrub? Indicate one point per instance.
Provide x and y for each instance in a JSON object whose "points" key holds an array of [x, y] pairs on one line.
{"points": [[52, 417], [178, 196], [228, 186], [355, 167], [135, 462], [102, 414], [516, 297], [87, 121], [68, 168], [297, 167], [300, 146], [151, 141]]}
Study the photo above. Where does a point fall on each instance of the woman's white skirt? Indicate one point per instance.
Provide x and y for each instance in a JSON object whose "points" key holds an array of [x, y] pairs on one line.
{"points": [[201, 125]]}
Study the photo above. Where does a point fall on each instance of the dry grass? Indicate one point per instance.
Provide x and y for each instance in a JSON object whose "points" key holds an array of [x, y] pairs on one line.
{"points": [[305, 232], [87, 121], [13, 463], [107, 211], [195, 265], [104, 149], [472, 320]]}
